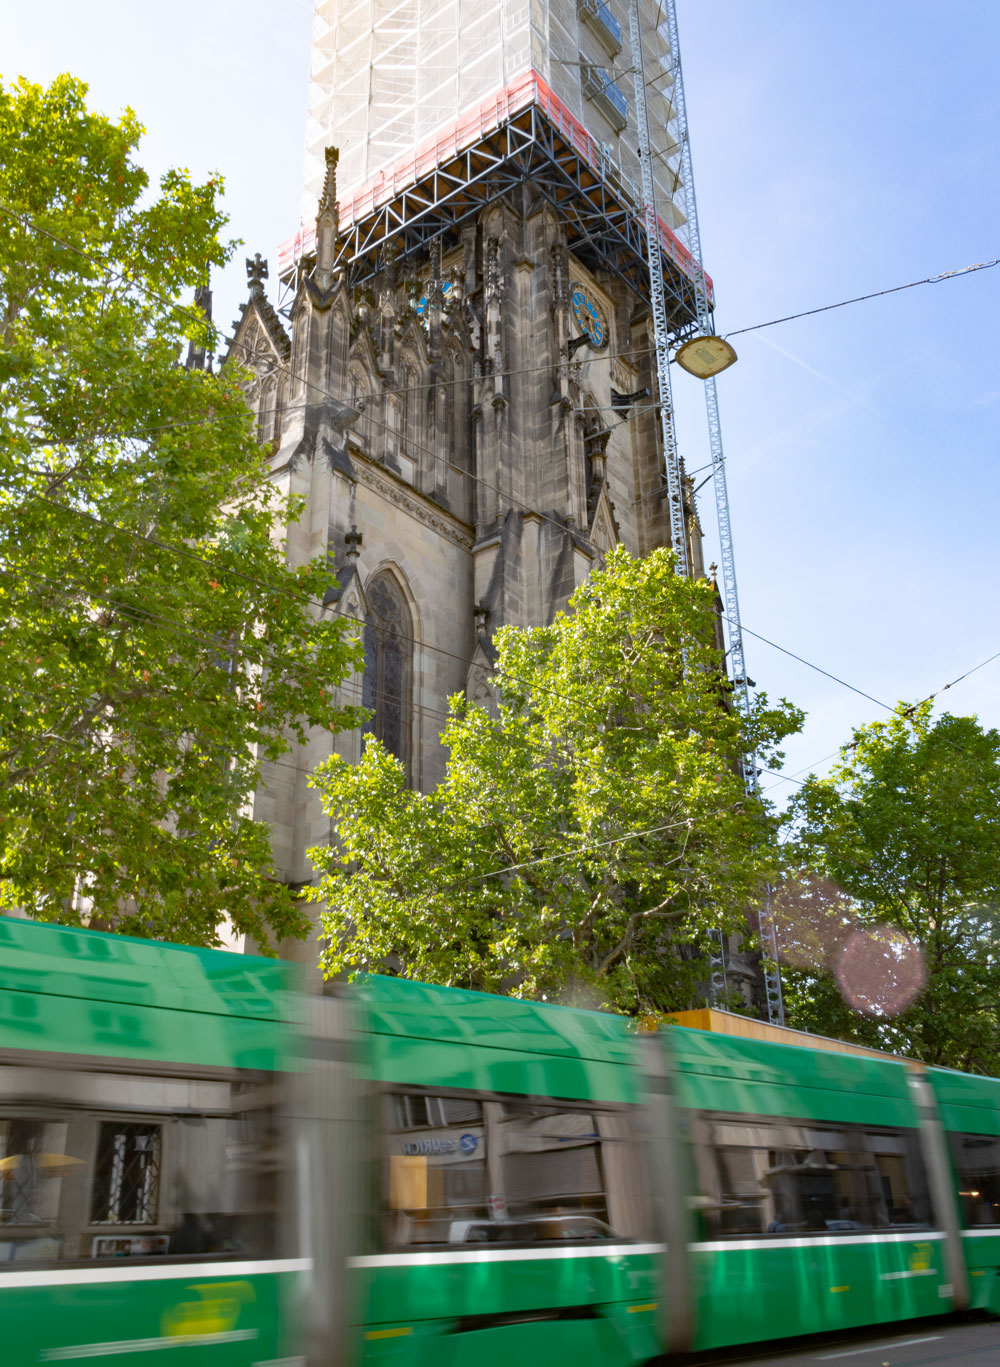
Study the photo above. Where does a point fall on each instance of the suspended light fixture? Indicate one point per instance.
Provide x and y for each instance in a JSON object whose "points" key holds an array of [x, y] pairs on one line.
{"points": [[705, 356]]}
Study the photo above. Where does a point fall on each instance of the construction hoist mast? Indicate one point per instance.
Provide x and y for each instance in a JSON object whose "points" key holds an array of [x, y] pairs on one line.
{"points": [[705, 325], [658, 304]]}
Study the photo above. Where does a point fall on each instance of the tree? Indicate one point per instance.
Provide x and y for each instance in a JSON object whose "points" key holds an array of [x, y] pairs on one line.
{"points": [[155, 646], [898, 853], [590, 831]]}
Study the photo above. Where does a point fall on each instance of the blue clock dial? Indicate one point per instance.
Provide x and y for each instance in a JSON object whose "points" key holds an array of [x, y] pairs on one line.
{"points": [[446, 288], [590, 316]]}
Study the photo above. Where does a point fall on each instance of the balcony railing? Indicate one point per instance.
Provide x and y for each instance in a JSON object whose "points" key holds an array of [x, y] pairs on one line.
{"points": [[603, 23], [599, 87]]}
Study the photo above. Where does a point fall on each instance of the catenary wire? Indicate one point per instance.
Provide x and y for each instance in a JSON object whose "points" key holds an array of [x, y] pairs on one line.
{"points": [[861, 298], [64, 590], [450, 654], [810, 665], [907, 711], [858, 299], [199, 318], [425, 645], [587, 849]]}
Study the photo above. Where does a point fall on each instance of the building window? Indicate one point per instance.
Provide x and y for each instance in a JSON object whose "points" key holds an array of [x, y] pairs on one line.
{"points": [[32, 1152], [126, 1174], [386, 684]]}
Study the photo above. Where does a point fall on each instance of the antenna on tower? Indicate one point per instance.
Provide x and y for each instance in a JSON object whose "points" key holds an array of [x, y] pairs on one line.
{"points": [[704, 323]]}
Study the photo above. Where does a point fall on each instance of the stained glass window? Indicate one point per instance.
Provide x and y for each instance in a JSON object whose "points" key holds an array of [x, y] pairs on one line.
{"points": [[388, 652]]}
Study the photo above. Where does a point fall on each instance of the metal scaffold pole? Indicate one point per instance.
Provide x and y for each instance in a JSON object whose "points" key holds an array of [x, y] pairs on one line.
{"points": [[705, 323], [658, 303], [671, 455]]}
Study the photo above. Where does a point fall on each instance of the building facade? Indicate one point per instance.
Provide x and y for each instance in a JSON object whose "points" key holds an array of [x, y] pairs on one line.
{"points": [[460, 384]]}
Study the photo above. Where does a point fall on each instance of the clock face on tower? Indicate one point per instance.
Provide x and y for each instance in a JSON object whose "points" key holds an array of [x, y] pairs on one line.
{"points": [[590, 316]]}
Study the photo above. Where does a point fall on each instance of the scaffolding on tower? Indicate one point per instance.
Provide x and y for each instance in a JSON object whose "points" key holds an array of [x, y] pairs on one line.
{"points": [[704, 324], [385, 76]]}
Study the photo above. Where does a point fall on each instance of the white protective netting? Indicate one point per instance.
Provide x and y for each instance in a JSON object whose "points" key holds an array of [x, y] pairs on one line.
{"points": [[389, 76]]}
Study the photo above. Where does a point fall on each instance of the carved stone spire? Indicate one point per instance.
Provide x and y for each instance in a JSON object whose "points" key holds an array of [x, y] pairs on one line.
{"points": [[196, 352], [435, 291], [435, 301], [327, 222], [256, 275]]}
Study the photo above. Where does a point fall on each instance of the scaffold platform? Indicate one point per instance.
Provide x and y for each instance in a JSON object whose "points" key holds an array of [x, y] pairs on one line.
{"points": [[522, 134]]}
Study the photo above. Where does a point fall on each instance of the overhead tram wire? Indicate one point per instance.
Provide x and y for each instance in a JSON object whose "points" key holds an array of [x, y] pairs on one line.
{"points": [[463, 380], [810, 665], [200, 319], [861, 298], [907, 711], [582, 850], [230, 571], [646, 351], [631, 353], [305, 600], [353, 686], [224, 571], [982, 664], [861, 693], [167, 733], [66, 590], [585, 849]]}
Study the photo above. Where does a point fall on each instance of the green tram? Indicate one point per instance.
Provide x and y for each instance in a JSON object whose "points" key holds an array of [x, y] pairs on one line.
{"points": [[198, 1161]]}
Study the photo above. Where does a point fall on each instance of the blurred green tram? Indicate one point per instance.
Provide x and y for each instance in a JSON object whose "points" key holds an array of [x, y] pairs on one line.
{"points": [[201, 1165]]}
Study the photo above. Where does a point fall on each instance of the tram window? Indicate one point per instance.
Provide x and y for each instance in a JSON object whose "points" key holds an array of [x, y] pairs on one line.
{"points": [[760, 1175], [113, 1165], [977, 1160], [466, 1169], [33, 1162], [897, 1184], [436, 1182], [553, 1171]]}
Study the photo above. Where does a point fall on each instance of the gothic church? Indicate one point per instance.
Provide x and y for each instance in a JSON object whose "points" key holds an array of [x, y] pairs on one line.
{"points": [[460, 384]]}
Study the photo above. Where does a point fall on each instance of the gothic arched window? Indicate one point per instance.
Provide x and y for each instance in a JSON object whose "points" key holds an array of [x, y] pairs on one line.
{"points": [[410, 395], [359, 398], [595, 443], [385, 685]]}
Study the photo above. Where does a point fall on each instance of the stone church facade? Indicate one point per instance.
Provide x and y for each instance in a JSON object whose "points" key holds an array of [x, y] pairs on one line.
{"points": [[466, 452], [461, 384]]}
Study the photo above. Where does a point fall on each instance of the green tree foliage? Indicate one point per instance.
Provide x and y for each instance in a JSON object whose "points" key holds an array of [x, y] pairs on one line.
{"points": [[890, 922], [155, 647], [588, 833]]}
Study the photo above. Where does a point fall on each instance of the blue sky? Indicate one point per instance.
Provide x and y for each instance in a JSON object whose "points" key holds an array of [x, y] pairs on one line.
{"points": [[838, 150]]}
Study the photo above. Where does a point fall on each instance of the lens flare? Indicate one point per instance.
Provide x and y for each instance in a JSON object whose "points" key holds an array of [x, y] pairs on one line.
{"points": [[880, 972], [813, 922]]}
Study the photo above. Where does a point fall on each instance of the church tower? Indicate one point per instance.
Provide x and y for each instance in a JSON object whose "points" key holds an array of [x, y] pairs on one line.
{"points": [[459, 382]]}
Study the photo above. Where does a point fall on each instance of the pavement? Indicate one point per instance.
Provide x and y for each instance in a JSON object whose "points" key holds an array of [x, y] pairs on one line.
{"points": [[970, 1342]]}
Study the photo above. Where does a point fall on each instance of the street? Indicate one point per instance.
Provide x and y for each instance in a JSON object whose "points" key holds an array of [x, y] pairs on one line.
{"points": [[925, 1343]]}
